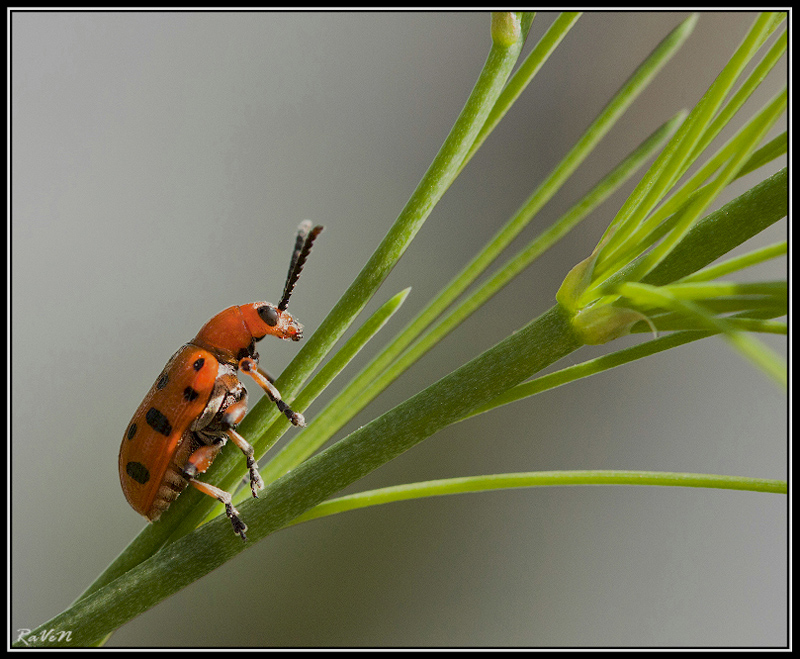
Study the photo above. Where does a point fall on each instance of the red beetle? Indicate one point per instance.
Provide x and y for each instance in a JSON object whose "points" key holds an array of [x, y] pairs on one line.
{"points": [[197, 401]]}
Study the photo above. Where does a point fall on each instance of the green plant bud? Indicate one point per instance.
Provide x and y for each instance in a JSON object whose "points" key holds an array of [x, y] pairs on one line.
{"points": [[601, 324], [505, 28]]}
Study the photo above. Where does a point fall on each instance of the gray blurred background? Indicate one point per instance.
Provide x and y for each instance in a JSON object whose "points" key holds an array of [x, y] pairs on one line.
{"points": [[161, 164]]}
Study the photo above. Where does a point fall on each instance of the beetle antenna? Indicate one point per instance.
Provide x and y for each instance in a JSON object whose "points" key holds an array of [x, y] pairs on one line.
{"points": [[302, 232], [302, 248]]}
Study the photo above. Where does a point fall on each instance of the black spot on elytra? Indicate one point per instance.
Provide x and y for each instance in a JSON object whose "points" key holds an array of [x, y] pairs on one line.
{"points": [[132, 431], [190, 394], [162, 381], [138, 472], [158, 422], [198, 364]]}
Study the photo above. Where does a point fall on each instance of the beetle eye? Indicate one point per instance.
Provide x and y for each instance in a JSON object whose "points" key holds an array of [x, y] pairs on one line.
{"points": [[269, 315]]}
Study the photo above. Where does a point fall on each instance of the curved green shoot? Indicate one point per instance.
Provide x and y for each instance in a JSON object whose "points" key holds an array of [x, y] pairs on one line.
{"points": [[494, 482]]}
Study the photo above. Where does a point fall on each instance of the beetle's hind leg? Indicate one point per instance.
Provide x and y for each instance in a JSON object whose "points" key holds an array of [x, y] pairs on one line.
{"points": [[198, 462], [239, 527]]}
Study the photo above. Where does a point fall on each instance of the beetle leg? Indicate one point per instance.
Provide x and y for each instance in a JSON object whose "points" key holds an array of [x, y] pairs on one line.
{"points": [[266, 375], [198, 462], [256, 483], [229, 419], [249, 366], [239, 527]]}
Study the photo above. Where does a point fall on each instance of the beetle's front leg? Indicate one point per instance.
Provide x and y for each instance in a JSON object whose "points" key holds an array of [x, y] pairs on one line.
{"points": [[249, 366]]}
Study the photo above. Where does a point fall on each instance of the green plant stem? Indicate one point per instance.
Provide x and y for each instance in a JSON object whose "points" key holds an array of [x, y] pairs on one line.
{"points": [[671, 322], [712, 237], [435, 182], [353, 346], [588, 368], [628, 355], [742, 94], [470, 484], [716, 289], [737, 263], [773, 149]]}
